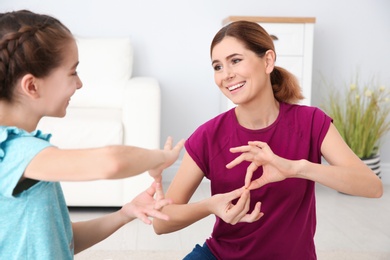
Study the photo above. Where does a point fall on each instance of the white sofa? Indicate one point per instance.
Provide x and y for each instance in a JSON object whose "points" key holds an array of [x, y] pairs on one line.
{"points": [[112, 107]]}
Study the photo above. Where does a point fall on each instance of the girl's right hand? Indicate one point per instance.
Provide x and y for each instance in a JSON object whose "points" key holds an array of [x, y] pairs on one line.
{"points": [[147, 204], [221, 205], [171, 155]]}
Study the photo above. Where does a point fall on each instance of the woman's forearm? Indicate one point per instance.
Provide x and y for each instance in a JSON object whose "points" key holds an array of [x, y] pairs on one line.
{"points": [[356, 180]]}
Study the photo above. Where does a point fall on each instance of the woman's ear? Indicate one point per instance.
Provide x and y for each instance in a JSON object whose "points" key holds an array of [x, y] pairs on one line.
{"points": [[269, 57], [28, 86]]}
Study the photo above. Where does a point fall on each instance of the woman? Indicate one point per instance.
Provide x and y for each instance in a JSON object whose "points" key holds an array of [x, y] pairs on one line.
{"points": [[262, 159], [38, 61]]}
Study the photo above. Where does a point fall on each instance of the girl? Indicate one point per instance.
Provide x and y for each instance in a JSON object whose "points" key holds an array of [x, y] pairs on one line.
{"points": [[38, 61], [264, 198]]}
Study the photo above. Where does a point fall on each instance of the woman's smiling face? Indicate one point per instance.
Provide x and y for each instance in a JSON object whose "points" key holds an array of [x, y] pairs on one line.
{"points": [[238, 72]]}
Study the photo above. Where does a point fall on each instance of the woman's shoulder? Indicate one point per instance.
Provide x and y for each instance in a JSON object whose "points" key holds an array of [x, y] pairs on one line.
{"points": [[302, 109], [214, 129], [306, 117], [217, 122]]}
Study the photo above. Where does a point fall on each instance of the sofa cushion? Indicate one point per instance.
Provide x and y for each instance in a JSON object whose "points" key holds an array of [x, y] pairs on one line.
{"points": [[85, 128]]}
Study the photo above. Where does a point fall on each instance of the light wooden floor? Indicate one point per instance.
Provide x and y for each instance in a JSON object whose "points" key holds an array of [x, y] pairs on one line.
{"points": [[345, 223]]}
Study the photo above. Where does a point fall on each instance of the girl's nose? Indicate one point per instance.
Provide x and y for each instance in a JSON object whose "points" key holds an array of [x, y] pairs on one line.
{"points": [[79, 84]]}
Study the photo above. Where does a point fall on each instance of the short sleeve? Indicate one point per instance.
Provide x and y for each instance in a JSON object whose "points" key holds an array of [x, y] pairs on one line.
{"points": [[195, 147], [320, 127], [17, 149]]}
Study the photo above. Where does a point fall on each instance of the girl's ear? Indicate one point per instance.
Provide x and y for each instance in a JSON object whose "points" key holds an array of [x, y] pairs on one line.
{"points": [[28, 86], [269, 57]]}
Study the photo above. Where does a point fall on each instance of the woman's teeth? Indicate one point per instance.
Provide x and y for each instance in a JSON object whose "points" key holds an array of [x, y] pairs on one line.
{"points": [[236, 86]]}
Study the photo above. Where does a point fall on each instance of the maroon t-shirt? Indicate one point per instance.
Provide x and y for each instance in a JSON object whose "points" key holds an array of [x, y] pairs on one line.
{"points": [[286, 231]]}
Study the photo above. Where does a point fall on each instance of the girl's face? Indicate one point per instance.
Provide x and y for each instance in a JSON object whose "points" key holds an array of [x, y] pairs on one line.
{"points": [[57, 88], [239, 73]]}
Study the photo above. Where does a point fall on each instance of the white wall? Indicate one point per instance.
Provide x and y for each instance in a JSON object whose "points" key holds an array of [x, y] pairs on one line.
{"points": [[171, 40]]}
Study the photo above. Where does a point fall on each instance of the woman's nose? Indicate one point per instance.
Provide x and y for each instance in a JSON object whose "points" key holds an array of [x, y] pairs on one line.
{"points": [[229, 74]]}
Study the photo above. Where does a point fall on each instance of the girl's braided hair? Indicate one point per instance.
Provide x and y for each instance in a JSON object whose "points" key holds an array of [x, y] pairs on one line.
{"points": [[29, 43]]}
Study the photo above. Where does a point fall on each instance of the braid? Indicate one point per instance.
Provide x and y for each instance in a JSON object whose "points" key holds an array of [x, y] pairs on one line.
{"points": [[29, 43], [9, 45]]}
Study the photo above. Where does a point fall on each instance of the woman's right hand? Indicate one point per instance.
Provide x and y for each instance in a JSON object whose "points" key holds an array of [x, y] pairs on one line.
{"points": [[221, 205], [171, 155]]}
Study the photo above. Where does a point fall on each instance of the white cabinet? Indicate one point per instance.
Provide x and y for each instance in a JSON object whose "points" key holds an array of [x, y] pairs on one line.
{"points": [[293, 46]]}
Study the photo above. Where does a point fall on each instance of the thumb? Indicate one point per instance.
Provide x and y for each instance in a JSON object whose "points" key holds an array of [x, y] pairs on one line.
{"points": [[260, 182], [235, 193]]}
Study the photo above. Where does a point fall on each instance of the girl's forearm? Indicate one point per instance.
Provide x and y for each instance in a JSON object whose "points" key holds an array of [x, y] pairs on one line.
{"points": [[112, 162], [127, 161], [181, 216], [91, 232]]}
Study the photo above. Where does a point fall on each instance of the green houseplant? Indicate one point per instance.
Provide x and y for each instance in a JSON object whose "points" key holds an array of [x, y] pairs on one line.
{"points": [[360, 113]]}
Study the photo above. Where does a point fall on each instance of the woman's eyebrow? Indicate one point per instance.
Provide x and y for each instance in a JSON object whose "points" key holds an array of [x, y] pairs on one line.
{"points": [[227, 58]]}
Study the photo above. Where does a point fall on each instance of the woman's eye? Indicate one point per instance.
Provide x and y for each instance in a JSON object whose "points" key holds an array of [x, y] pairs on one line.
{"points": [[217, 67], [74, 73], [234, 61]]}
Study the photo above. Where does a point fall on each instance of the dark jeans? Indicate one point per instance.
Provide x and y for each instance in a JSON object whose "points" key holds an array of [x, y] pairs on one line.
{"points": [[200, 252]]}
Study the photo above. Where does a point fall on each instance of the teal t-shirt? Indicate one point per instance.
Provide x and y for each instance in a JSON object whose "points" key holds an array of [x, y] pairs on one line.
{"points": [[34, 223]]}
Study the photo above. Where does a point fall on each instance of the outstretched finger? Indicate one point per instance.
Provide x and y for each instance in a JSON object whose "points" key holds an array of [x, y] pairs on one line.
{"points": [[237, 211], [239, 149], [168, 143], [151, 190], [159, 194], [259, 144], [158, 214], [254, 216], [158, 205], [144, 218], [235, 194], [179, 145], [158, 179], [235, 162], [249, 173]]}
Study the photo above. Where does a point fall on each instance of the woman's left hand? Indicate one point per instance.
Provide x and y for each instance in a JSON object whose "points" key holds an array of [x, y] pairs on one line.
{"points": [[259, 154], [147, 204]]}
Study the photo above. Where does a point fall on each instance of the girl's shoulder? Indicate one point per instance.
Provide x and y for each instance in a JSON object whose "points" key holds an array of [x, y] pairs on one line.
{"points": [[12, 134]]}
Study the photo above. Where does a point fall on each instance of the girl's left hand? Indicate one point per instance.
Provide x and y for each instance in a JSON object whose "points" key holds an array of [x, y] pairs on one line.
{"points": [[147, 204], [259, 154], [171, 154]]}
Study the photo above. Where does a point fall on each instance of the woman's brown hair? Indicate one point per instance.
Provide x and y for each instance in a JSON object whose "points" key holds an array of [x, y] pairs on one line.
{"points": [[29, 43], [284, 84]]}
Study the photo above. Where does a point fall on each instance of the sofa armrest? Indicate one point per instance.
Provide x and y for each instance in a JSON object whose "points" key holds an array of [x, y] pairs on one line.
{"points": [[142, 112]]}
